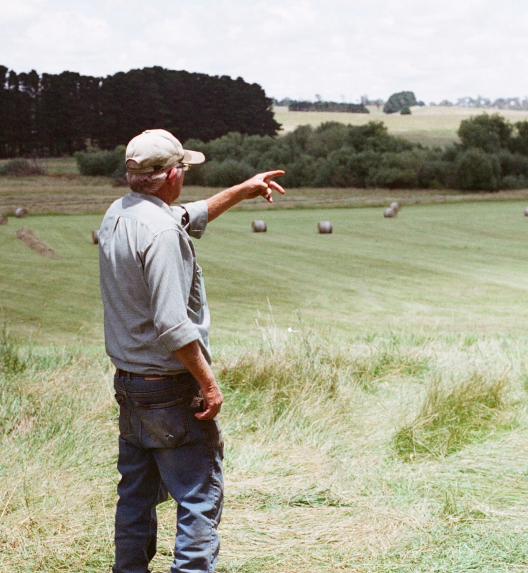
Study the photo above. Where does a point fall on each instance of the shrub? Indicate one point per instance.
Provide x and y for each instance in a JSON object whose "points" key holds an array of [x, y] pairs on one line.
{"points": [[396, 170], [257, 144], [513, 164], [451, 152], [514, 182], [227, 147], [345, 168], [487, 132], [519, 142], [476, 171], [302, 172], [327, 137], [227, 173], [299, 139], [105, 163], [20, 168], [435, 174], [276, 158], [405, 110]]}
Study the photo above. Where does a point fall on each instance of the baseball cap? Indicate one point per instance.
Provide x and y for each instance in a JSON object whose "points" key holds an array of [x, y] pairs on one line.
{"points": [[157, 149]]}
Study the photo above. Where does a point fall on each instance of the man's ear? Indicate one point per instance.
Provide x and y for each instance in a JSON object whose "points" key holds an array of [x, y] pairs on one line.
{"points": [[172, 175]]}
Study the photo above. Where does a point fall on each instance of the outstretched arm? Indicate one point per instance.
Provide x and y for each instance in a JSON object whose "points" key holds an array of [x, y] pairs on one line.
{"points": [[260, 184]]}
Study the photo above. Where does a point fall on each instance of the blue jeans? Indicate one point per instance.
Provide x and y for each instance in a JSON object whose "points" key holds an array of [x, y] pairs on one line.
{"points": [[164, 448]]}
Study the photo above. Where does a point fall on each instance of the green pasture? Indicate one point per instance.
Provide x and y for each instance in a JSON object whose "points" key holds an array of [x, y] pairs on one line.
{"points": [[451, 268]]}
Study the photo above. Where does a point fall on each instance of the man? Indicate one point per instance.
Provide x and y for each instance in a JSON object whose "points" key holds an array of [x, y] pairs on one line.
{"points": [[156, 331]]}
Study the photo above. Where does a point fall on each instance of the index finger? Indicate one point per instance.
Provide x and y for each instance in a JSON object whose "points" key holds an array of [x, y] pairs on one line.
{"points": [[269, 174]]}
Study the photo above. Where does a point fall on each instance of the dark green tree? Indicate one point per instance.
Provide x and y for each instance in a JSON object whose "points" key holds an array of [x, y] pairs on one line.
{"points": [[65, 113], [487, 132], [477, 171], [399, 101]]}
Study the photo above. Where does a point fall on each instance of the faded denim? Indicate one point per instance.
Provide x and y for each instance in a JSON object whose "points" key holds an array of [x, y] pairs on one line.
{"points": [[164, 448]]}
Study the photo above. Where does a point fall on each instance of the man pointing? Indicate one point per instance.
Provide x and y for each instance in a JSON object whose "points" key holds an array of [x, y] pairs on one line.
{"points": [[156, 332]]}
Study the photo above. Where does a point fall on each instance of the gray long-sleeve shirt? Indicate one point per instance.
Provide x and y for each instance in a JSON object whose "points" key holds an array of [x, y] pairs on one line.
{"points": [[152, 288]]}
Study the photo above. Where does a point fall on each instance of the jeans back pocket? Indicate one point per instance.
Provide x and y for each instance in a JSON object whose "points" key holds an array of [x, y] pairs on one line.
{"points": [[163, 425]]}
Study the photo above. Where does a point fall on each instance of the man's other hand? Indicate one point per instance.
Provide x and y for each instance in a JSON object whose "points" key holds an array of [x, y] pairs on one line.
{"points": [[192, 358], [212, 401]]}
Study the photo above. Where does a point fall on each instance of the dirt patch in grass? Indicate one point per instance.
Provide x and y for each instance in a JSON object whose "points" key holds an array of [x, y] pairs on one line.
{"points": [[28, 237]]}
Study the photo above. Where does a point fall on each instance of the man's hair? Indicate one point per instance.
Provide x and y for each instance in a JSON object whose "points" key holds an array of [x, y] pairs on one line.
{"points": [[148, 183]]}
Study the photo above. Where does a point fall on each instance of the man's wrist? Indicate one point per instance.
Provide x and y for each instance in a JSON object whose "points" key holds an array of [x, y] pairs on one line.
{"points": [[236, 192], [207, 384]]}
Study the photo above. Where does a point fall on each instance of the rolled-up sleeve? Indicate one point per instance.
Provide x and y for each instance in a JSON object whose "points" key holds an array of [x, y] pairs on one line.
{"points": [[168, 268], [198, 213]]}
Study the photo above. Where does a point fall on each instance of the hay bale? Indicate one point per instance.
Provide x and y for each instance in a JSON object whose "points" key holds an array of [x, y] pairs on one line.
{"points": [[324, 227], [395, 206], [3, 219], [95, 237], [526, 212], [390, 213], [21, 212], [259, 226]]}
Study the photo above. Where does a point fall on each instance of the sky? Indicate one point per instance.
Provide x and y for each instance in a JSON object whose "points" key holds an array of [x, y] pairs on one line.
{"points": [[338, 49]]}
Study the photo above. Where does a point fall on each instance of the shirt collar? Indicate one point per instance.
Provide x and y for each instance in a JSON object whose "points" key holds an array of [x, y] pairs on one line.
{"points": [[153, 199], [157, 201]]}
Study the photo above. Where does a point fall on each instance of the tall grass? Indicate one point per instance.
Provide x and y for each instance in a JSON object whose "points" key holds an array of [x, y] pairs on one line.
{"points": [[303, 381], [455, 413], [310, 423]]}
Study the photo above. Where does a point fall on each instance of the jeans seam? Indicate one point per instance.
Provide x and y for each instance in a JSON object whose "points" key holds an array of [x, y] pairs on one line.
{"points": [[151, 521], [215, 488]]}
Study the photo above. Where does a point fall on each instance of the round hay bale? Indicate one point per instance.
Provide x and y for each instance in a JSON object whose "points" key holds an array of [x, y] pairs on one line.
{"points": [[389, 213], [395, 206], [3, 219], [324, 227], [21, 212], [259, 226], [95, 237], [526, 212]]}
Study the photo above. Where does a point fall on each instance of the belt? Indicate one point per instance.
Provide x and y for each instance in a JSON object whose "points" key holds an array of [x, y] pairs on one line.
{"points": [[129, 375]]}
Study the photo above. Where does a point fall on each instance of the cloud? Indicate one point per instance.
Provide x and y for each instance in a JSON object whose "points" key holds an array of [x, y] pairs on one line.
{"points": [[298, 48], [53, 42], [12, 12]]}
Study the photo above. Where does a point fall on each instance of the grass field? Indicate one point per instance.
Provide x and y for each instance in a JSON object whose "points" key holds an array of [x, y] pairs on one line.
{"points": [[375, 383]]}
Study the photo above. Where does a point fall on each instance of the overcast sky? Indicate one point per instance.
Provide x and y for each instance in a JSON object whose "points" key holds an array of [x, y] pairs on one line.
{"points": [[339, 49]]}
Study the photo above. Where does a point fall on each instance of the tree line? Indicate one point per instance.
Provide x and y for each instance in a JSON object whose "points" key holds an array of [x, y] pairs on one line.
{"points": [[331, 106], [55, 114], [492, 154]]}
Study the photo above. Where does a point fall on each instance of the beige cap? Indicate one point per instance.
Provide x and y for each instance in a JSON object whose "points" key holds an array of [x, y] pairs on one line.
{"points": [[156, 150]]}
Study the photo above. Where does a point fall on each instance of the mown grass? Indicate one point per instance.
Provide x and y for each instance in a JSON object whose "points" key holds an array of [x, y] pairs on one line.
{"points": [[456, 267], [313, 482]]}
